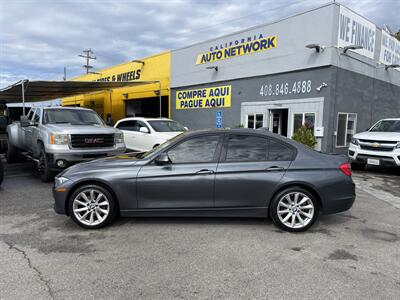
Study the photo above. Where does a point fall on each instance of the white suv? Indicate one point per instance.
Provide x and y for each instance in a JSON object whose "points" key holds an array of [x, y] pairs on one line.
{"points": [[144, 134], [379, 146]]}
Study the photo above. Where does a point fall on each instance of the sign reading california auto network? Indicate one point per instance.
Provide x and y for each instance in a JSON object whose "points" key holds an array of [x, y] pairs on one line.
{"points": [[213, 97], [238, 47], [355, 30]]}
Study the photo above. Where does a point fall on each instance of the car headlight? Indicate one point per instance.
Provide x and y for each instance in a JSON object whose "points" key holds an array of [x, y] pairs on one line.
{"points": [[59, 139], [354, 141], [60, 180], [119, 138]]}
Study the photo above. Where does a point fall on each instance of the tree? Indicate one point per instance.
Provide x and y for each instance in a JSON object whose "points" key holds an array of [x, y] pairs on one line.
{"points": [[305, 136], [397, 35]]}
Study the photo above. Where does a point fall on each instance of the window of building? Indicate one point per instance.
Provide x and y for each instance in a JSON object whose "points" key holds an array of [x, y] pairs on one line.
{"points": [[255, 121], [300, 119], [246, 148], [195, 150], [346, 128]]}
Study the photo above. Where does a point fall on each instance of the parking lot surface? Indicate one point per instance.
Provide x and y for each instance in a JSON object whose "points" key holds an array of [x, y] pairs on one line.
{"points": [[355, 254]]}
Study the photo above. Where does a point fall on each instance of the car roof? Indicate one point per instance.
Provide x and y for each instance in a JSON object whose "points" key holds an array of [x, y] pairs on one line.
{"points": [[390, 119], [65, 108], [143, 119]]}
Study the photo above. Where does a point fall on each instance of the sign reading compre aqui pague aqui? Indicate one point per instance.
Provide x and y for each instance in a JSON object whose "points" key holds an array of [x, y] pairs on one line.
{"points": [[212, 97]]}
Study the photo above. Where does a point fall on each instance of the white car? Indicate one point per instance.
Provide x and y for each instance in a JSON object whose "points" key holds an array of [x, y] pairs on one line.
{"points": [[144, 134], [379, 146]]}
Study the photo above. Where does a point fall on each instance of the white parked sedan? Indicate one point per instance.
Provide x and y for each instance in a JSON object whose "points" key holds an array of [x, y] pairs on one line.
{"points": [[144, 134]]}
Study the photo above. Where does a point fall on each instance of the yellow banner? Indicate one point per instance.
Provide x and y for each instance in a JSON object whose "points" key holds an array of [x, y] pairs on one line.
{"points": [[238, 50], [214, 97]]}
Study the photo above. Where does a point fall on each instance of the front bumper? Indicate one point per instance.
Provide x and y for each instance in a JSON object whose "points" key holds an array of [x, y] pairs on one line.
{"points": [[60, 195], [386, 158], [73, 156]]}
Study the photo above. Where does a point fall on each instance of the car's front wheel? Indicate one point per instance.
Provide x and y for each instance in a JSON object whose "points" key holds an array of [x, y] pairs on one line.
{"points": [[294, 209], [92, 206]]}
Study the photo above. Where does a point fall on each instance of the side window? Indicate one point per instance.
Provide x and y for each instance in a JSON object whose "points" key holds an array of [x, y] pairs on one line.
{"points": [[255, 121], [128, 125], [36, 115], [246, 148], [142, 124], [195, 150], [278, 151], [30, 114]]}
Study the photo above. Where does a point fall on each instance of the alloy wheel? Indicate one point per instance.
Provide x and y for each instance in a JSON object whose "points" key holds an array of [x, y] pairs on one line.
{"points": [[295, 210], [91, 207]]}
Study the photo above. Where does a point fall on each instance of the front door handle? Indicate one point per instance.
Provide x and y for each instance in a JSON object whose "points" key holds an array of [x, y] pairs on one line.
{"points": [[205, 171], [274, 169]]}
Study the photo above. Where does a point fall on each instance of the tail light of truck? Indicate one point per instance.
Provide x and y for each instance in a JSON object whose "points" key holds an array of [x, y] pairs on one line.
{"points": [[346, 169]]}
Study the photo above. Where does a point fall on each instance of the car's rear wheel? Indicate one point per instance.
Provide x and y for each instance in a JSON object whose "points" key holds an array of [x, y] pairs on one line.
{"points": [[92, 206], [294, 209], [357, 166]]}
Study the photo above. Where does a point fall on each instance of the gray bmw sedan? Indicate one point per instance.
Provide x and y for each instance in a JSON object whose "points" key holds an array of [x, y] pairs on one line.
{"points": [[210, 173]]}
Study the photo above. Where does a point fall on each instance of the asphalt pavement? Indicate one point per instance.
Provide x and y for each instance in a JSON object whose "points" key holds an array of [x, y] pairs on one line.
{"points": [[353, 255]]}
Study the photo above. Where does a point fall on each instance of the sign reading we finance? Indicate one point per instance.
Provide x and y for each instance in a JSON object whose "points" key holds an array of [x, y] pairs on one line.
{"points": [[355, 30], [390, 50], [213, 97]]}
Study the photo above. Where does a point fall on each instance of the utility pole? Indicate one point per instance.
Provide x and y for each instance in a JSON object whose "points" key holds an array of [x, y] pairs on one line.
{"points": [[87, 54], [65, 73]]}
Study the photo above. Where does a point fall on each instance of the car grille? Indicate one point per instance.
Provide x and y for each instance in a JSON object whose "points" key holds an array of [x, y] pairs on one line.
{"points": [[372, 145], [92, 140]]}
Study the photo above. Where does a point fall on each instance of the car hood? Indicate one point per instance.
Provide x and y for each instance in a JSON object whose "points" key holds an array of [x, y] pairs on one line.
{"points": [[81, 129], [378, 136], [168, 135], [102, 164]]}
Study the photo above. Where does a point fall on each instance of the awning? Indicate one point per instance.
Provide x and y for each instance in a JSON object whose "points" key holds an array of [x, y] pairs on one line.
{"points": [[49, 90]]}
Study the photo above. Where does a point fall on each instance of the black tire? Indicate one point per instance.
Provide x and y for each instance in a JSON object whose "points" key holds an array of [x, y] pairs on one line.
{"points": [[12, 154], [46, 174], [1, 171], [357, 166], [112, 206], [291, 191]]}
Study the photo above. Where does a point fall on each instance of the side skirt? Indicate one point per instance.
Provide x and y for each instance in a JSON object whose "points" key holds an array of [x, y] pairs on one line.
{"points": [[253, 212]]}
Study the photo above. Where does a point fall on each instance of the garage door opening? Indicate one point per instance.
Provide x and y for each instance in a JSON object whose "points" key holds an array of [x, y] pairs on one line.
{"points": [[147, 107]]}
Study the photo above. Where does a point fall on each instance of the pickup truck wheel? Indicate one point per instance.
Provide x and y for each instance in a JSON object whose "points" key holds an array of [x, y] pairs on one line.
{"points": [[13, 154], [92, 206], [45, 173]]}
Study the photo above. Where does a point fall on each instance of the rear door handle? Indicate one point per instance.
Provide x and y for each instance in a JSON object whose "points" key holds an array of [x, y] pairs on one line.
{"points": [[205, 171], [274, 169]]}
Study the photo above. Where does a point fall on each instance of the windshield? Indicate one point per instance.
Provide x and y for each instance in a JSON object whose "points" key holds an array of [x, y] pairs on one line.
{"points": [[70, 116], [166, 126], [386, 126], [159, 148]]}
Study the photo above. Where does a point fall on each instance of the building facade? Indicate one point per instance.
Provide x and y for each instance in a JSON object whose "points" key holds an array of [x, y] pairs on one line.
{"points": [[267, 77], [141, 100]]}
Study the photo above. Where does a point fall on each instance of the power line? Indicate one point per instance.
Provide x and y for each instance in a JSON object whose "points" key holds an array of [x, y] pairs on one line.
{"points": [[87, 55]]}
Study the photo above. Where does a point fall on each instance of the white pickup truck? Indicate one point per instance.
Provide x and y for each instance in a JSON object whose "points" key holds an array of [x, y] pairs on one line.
{"points": [[379, 146], [57, 137]]}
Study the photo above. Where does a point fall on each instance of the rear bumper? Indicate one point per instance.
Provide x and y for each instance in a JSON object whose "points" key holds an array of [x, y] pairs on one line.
{"points": [[335, 205], [386, 159]]}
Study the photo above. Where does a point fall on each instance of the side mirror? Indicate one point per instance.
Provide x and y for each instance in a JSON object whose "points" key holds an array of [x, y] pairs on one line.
{"points": [[163, 159], [25, 121], [186, 129], [143, 130]]}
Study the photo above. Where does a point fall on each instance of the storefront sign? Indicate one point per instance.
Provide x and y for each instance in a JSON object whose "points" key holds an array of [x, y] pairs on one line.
{"points": [[239, 49], [125, 76], [355, 30], [214, 97], [390, 50]]}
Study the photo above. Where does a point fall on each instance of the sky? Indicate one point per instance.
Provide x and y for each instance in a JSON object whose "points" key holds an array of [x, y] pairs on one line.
{"points": [[38, 38]]}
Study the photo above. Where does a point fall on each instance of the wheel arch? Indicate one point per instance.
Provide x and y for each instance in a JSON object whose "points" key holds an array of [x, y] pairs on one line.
{"points": [[89, 182], [311, 189]]}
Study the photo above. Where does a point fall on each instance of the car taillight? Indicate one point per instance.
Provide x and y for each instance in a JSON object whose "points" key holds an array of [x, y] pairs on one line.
{"points": [[346, 169]]}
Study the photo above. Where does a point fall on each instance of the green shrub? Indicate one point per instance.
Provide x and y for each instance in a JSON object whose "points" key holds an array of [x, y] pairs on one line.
{"points": [[305, 136]]}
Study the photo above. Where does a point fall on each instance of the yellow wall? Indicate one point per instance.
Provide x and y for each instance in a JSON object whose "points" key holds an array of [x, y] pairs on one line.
{"points": [[156, 67]]}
